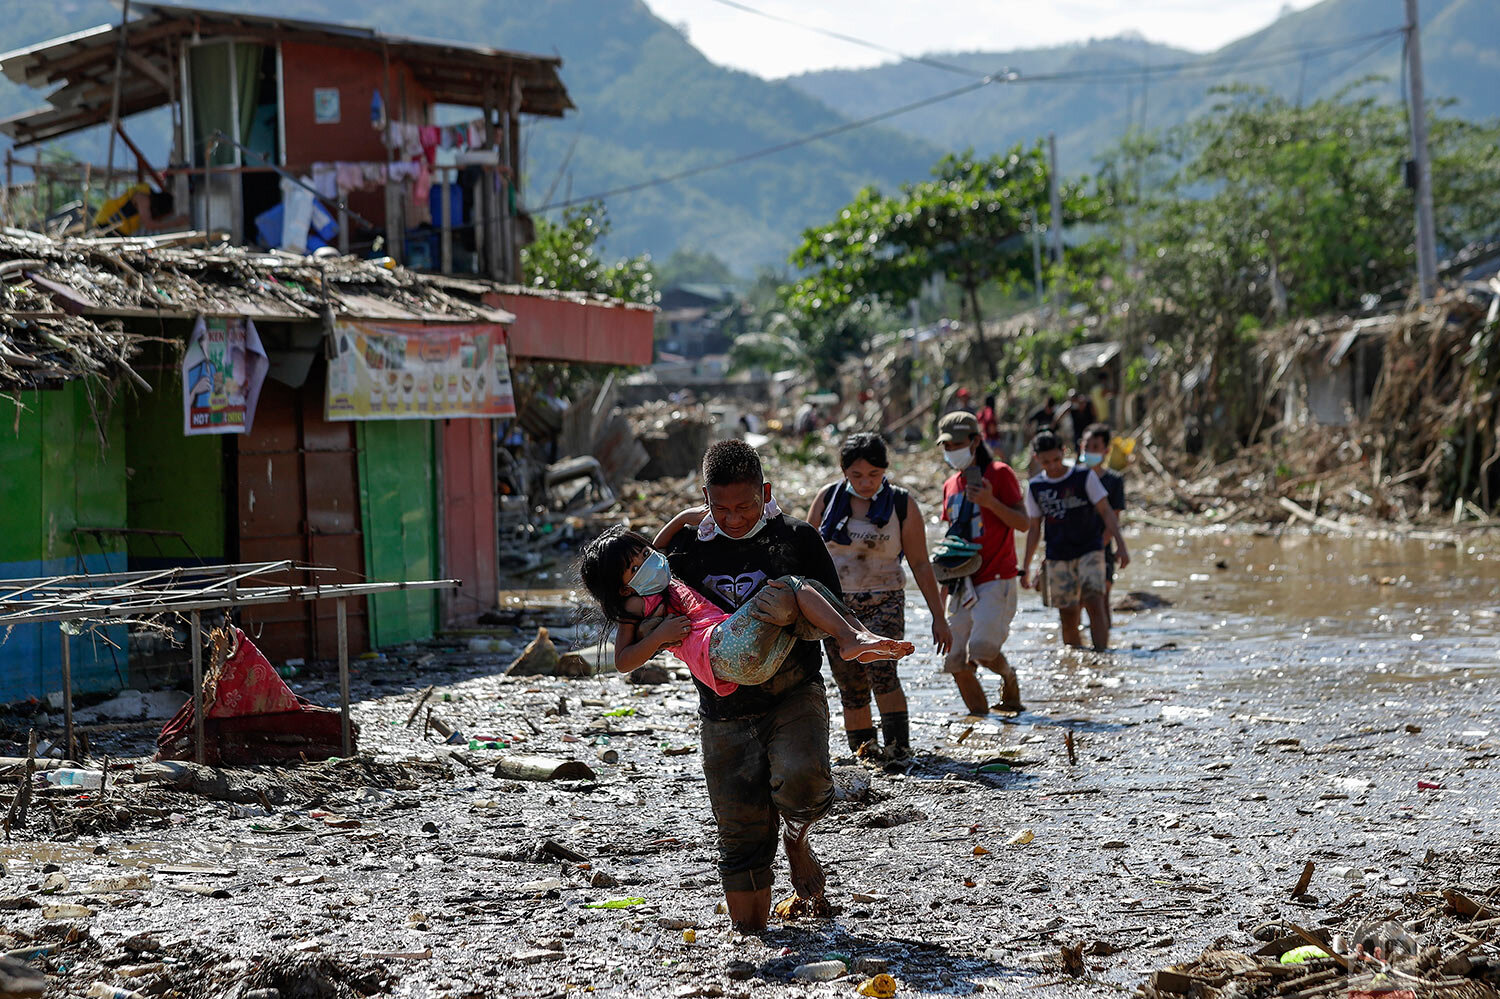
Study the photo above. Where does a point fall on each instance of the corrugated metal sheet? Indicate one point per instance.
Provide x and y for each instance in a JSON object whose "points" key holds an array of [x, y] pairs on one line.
{"points": [[470, 544], [563, 327], [299, 500], [398, 505], [56, 473]]}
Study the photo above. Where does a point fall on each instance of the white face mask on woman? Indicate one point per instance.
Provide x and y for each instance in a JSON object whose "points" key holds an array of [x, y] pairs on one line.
{"points": [[960, 459]]}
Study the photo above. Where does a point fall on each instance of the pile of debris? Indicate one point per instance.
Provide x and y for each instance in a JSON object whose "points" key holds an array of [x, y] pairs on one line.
{"points": [[179, 276], [675, 435], [1448, 948], [44, 351]]}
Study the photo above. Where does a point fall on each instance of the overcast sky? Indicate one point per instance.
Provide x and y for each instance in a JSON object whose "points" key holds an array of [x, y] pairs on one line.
{"points": [[767, 48]]}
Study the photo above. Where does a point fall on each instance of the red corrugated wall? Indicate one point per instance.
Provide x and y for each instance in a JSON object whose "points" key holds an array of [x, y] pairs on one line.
{"points": [[562, 330], [469, 542], [356, 75]]}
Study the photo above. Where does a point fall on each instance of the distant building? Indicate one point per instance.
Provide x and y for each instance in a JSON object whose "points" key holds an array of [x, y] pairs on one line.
{"points": [[699, 319]]}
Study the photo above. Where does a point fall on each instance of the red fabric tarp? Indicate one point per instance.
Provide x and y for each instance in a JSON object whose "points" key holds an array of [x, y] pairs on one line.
{"points": [[251, 716]]}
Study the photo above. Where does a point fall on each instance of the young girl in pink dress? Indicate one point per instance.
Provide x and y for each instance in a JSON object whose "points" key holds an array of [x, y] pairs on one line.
{"points": [[653, 612]]}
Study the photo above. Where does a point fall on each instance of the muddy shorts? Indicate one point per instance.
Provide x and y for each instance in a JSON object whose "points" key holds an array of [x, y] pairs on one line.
{"points": [[759, 769], [980, 630], [1067, 583], [884, 613]]}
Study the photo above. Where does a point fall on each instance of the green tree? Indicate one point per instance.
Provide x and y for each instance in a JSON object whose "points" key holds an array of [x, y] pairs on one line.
{"points": [[971, 223], [566, 256], [1265, 210]]}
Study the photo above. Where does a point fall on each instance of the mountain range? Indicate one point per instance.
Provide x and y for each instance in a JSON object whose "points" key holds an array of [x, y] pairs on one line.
{"points": [[651, 104]]}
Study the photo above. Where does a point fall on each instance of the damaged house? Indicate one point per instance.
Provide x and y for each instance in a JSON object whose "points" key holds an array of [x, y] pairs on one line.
{"points": [[218, 393]]}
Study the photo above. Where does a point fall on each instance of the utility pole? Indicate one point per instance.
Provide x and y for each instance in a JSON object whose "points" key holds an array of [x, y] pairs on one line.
{"points": [[1036, 253], [1426, 237], [1055, 229]]}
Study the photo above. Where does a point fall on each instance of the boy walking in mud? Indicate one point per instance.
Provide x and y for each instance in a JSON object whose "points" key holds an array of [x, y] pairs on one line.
{"points": [[765, 747], [1069, 502]]}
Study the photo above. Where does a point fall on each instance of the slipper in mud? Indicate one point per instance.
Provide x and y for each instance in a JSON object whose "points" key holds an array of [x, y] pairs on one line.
{"points": [[1013, 709]]}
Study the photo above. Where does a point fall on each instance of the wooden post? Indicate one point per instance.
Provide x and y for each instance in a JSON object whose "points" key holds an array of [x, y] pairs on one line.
{"points": [[344, 729], [446, 263], [392, 219], [114, 103], [197, 638], [67, 684], [493, 209], [513, 134], [344, 231], [36, 173]]}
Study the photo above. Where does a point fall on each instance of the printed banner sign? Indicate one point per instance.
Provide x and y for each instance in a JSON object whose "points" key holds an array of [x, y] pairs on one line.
{"points": [[222, 372], [391, 371]]}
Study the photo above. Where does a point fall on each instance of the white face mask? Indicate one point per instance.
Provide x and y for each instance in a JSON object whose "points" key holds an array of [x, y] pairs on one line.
{"points": [[708, 528], [960, 459], [653, 575]]}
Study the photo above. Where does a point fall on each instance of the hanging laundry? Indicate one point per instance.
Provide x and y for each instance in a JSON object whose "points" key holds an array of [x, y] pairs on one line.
{"points": [[325, 177], [428, 136], [424, 182], [377, 111], [350, 177], [297, 202]]}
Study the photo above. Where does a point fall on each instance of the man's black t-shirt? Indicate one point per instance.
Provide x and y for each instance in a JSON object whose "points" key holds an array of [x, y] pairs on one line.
{"points": [[729, 572], [1114, 485]]}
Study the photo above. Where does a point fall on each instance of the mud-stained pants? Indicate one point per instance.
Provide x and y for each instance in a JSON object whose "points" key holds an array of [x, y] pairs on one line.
{"points": [[763, 768]]}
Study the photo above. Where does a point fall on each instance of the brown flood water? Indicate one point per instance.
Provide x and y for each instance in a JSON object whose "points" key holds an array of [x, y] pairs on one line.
{"points": [[1304, 610]]}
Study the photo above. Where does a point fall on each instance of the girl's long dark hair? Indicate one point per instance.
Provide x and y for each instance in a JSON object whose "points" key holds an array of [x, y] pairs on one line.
{"points": [[601, 567]]}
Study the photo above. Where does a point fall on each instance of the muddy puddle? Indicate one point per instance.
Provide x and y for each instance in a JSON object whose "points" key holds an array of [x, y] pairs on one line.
{"points": [[1313, 699]]}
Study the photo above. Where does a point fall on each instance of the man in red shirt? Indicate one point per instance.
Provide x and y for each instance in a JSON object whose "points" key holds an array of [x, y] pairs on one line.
{"points": [[982, 502]]}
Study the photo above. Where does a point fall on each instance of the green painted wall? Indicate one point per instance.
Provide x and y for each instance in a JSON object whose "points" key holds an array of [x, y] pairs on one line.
{"points": [[62, 465], [175, 483], [398, 504]]}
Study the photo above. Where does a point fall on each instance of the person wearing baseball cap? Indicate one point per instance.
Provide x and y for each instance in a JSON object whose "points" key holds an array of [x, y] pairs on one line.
{"points": [[984, 506]]}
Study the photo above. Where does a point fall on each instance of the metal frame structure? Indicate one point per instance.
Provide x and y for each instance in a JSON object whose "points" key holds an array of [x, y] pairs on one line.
{"points": [[124, 596]]}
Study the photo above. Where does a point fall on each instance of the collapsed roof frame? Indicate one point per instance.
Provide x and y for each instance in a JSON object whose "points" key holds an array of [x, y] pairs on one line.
{"points": [[126, 596]]}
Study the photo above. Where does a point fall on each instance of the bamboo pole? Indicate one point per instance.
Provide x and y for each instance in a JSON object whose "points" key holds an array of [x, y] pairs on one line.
{"points": [[346, 736], [67, 684], [114, 102], [197, 688]]}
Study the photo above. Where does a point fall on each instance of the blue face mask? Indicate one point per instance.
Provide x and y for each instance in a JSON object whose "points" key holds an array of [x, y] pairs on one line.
{"points": [[1092, 459], [653, 575]]}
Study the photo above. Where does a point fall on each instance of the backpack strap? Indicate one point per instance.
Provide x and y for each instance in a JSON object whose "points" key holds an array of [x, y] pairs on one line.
{"points": [[825, 495], [903, 500]]}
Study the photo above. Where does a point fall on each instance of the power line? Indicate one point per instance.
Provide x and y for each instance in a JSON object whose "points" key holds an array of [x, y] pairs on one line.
{"points": [[1281, 57], [847, 126]]}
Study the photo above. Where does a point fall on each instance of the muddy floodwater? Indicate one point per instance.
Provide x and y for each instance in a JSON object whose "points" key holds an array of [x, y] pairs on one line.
{"points": [[1277, 700]]}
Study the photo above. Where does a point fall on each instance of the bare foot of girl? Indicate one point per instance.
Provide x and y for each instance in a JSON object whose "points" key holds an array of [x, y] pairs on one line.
{"points": [[865, 647]]}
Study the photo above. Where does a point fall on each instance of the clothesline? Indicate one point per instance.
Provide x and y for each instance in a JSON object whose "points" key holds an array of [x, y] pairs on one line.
{"points": [[423, 141]]}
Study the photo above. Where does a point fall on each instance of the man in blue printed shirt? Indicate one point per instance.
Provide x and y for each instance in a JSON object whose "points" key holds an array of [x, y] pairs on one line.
{"points": [[1069, 501]]}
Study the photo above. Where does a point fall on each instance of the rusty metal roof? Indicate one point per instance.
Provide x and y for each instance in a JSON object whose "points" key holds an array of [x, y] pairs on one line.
{"points": [[81, 66]]}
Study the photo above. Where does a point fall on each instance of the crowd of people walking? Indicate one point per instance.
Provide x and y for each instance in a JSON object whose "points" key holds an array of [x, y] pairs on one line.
{"points": [[748, 597]]}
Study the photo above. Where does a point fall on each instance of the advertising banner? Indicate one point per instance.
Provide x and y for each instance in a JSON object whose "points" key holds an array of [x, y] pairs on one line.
{"points": [[400, 371], [222, 372]]}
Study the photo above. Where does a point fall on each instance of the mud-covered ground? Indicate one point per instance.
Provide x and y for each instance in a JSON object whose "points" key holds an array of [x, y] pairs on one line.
{"points": [[1299, 699]]}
